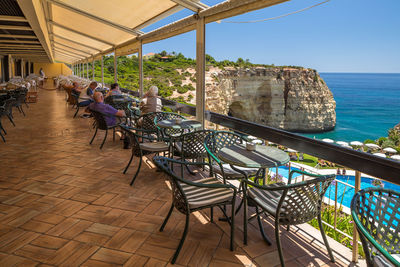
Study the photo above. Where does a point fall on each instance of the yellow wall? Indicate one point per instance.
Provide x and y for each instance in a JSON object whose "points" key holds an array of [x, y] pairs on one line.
{"points": [[52, 69]]}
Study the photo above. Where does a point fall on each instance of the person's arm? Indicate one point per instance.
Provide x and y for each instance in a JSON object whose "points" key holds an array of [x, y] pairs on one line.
{"points": [[120, 113]]}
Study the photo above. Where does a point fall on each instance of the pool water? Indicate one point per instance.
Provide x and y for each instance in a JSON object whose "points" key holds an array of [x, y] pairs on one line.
{"points": [[345, 193]]}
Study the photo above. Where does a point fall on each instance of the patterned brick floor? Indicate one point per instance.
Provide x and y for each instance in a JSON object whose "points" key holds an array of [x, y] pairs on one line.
{"points": [[64, 202]]}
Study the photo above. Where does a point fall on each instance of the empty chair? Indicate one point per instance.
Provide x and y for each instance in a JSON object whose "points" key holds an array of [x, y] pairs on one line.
{"points": [[376, 214], [142, 144], [290, 204], [189, 196]]}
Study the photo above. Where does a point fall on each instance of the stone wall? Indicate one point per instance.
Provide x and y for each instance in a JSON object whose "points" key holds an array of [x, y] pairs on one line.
{"points": [[290, 99]]}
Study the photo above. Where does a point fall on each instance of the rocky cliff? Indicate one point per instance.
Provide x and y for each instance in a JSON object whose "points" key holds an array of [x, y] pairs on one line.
{"points": [[291, 99]]}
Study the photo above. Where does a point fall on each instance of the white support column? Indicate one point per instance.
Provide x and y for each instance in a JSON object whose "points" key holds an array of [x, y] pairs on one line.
{"points": [[200, 71], [102, 70], [9, 67], [87, 70], [140, 55], [93, 69], [115, 67]]}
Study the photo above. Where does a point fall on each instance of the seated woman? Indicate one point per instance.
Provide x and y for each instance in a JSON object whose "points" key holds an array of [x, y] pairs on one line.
{"points": [[151, 102], [114, 90]]}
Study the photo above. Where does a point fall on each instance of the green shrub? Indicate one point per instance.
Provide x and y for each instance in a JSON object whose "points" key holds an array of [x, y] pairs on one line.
{"points": [[369, 141], [381, 140]]}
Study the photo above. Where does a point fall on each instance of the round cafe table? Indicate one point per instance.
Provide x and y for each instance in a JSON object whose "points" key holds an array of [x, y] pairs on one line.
{"points": [[185, 124], [263, 157]]}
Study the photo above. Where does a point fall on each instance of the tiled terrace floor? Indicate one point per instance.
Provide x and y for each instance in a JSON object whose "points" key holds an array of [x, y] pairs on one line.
{"points": [[66, 203]]}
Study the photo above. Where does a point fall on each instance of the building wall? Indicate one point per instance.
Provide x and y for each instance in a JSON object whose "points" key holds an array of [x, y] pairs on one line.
{"points": [[52, 69]]}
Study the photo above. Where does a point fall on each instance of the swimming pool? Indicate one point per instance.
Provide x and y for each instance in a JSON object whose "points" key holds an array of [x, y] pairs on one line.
{"points": [[345, 193]]}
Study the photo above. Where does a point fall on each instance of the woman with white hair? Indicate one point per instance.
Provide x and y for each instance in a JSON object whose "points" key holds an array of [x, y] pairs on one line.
{"points": [[151, 102]]}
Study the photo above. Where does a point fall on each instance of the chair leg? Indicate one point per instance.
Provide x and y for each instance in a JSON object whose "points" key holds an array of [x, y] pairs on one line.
{"points": [[77, 110], [10, 118], [22, 110], [233, 223], [104, 140], [2, 137], [137, 172], [167, 218], [212, 214], [2, 129], [129, 163], [91, 141], [278, 243], [321, 227], [266, 239], [182, 239], [26, 104]]}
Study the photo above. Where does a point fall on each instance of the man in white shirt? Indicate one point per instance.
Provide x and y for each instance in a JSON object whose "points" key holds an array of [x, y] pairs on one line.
{"points": [[86, 96]]}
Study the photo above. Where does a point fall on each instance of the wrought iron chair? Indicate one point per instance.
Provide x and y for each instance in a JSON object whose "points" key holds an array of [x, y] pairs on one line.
{"points": [[141, 148], [78, 105], [376, 214], [2, 112], [8, 104], [20, 96], [190, 146], [290, 204], [217, 141], [189, 196], [167, 134], [100, 123]]}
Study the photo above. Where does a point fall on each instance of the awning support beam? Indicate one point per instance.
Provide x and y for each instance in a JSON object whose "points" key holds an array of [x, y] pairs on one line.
{"points": [[102, 70], [75, 42], [200, 70], [140, 55], [115, 66], [194, 6], [73, 48]]}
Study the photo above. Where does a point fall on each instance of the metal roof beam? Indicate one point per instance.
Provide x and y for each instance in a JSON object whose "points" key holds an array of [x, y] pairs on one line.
{"points": [[72, 48], [75, 42], [81, 33], [195, 6], [15, 27], [99, 19], [159, 17], [65, 54], [71, 52], [13, 18]]}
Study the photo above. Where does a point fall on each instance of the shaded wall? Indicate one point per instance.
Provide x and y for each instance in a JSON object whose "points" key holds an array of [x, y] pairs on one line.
{"points": [[52, 69]]}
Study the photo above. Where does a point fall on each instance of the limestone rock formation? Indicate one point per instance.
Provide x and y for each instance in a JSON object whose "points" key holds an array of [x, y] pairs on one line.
{"points": [[290, 99]]}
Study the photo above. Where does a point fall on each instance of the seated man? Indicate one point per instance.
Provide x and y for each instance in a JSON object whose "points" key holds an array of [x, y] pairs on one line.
{"points": [[151, 102], [99, 106], [114, 90], [75, 88], [86, 95]]}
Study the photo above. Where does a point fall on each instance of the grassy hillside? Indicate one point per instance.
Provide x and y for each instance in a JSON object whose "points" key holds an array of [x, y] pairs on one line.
{"points": [[170, 72]]}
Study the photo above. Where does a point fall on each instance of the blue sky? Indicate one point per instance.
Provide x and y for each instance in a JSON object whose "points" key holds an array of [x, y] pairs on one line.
{"points": [[339, 36]]}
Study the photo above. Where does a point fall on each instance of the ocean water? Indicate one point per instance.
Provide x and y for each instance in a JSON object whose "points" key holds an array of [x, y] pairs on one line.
{"points": [[367, 105]]}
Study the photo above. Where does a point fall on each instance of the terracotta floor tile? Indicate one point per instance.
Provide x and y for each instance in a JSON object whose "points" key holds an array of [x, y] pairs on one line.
{"points": [[111, 256]]}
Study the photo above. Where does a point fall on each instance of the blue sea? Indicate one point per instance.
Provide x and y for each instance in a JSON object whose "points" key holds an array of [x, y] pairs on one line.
{"points": [[367, 105]]}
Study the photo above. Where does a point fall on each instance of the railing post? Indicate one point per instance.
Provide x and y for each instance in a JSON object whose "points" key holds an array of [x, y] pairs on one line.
{"points": [[87, 69], [115, 67], [355, 234], [140, 55], [102, 71], [200, 70]]}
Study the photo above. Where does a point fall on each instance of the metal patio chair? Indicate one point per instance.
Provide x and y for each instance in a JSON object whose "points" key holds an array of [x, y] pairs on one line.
{"points": [[290, 204], [189, 196], [140, 147], [376, 214], [100, 123]]}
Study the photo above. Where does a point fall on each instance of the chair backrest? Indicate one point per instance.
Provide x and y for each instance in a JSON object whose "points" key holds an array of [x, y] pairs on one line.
{"points": [[100, 120], [193, 144], [220, 139], [301, 202], [168, 116], [148, 120], [376, 212], [178, 196]]}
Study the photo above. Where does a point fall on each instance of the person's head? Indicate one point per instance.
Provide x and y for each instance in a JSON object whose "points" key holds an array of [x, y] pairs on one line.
{"points": [[75, 84], [93, 85], [153, 91], [114, 86], [98, 97]]}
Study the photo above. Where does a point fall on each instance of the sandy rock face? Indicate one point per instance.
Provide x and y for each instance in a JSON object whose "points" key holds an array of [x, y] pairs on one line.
{"points": [[289, 99]]}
